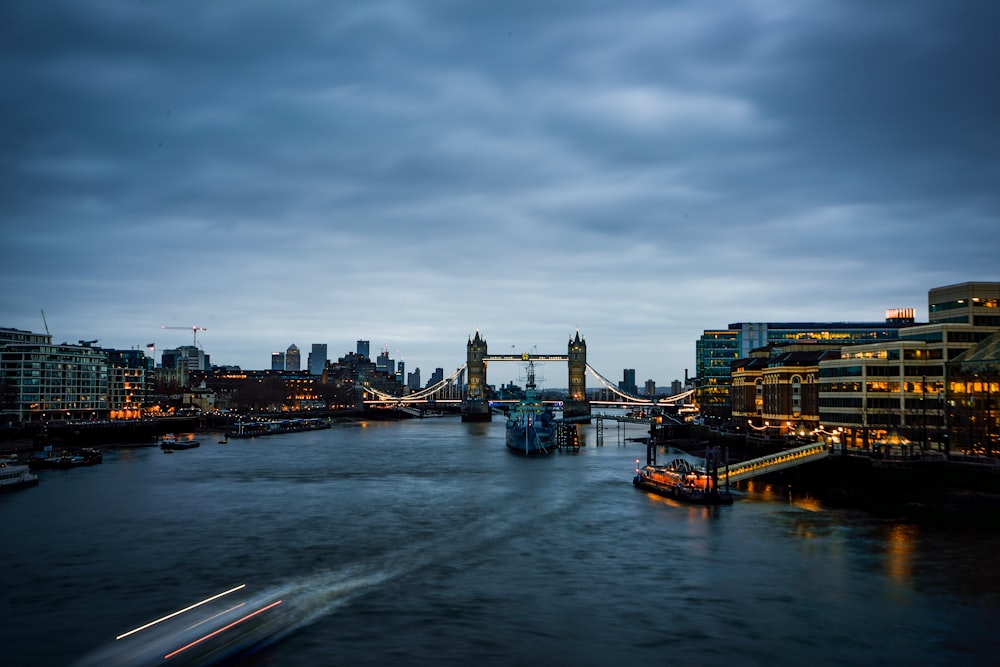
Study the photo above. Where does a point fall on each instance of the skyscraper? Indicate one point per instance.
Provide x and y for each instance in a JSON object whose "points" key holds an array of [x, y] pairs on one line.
{"points": [[277, 361], [628, 382], [293, 360], [364, 348], [317, 359]]}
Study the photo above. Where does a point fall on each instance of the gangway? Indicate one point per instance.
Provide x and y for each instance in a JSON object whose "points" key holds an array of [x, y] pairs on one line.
{"points": [[788, 458]]}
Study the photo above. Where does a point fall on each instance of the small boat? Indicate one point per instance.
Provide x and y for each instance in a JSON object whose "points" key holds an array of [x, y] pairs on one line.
{"points": [[172, 442], [531, 426], [47, 458], [15, 476], [680, 480]]}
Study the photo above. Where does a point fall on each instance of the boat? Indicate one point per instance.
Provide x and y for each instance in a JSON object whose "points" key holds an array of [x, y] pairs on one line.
{"points": [[172, 442], [47, 458], [531, 426], [680, 480], [15, 476], [252, 429]]}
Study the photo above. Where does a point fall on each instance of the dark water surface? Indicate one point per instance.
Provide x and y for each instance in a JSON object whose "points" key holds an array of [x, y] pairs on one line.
{"points": [[427, 543]]}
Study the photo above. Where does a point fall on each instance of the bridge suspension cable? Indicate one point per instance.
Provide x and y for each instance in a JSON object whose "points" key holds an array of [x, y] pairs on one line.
{"points": [[418, 396], [676, 398]]}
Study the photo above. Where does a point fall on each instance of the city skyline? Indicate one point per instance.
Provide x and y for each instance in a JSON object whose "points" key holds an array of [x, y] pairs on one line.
{"points": [[312, 173]]}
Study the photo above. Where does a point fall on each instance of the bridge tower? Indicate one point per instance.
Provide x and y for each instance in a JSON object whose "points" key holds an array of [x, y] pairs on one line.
{"points": [[476, 407], [576, 403]]}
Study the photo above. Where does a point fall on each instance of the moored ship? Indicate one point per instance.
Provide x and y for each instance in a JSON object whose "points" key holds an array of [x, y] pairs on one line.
{"points": [[682, 481], [15, 476], [531, 426]]}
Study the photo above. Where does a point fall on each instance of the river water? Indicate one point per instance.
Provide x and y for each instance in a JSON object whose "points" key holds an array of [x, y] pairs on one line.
{"points": [[426, 542]]}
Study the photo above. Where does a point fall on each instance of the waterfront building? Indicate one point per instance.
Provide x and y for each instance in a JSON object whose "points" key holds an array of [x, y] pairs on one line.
{"points": [[128, 383], [28, 337], [976, 303], [317, 358], [973, 403], [293, 359], [266, 389], [715, 352], [277, 361], [650, 388], [40, 381], [717, 349], [775, 391], [931, 383]]}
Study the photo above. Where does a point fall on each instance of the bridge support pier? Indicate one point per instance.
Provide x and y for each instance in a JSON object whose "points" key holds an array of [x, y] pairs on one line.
{"points": [[576, 409], [476, 411]]}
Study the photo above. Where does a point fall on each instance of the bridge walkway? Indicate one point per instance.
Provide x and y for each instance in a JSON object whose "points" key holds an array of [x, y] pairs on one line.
{"points": [[788, 458]]}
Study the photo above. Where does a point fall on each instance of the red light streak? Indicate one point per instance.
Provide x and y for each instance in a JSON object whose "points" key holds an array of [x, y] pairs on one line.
{"points": [[222, 629]]}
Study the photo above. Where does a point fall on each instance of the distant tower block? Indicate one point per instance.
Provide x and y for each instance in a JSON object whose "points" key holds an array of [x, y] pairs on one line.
{"points": [[476, 407], [576, 403]]}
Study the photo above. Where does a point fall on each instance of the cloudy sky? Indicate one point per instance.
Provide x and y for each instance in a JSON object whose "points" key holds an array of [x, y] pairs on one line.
{"points": [[409, 172]]}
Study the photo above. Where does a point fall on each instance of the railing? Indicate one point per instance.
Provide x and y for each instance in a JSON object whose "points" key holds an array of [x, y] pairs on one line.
{"points": [[780, 461]]}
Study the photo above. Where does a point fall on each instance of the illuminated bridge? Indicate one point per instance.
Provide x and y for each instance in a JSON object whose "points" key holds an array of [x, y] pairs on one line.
{"points": [[788, 458], [476, 403]]}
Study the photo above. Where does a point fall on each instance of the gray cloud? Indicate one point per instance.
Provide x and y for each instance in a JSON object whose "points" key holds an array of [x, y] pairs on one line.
{"points": [[315, 172]]}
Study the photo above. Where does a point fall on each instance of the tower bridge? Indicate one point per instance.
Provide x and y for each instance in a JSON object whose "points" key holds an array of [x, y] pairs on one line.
{"points": [[476, 403]]}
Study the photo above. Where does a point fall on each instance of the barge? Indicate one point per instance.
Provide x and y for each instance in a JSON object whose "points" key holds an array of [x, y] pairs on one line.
{"points": [[253, 429], [682, 481]]}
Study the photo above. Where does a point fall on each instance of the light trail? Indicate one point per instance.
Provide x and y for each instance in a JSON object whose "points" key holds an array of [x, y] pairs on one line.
{"points": [[178, 613], [222, 629]]}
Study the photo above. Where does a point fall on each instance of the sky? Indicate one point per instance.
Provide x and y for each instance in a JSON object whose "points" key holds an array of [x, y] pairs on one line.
{"points": [[410, 173]]}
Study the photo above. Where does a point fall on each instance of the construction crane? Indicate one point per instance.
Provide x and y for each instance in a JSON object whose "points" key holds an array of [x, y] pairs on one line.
{"points": [[194, 329]]}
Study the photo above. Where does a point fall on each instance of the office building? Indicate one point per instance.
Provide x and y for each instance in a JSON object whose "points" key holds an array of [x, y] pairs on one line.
{"points": [[919, 385], [975, 303], [716, 350], [413, 380], [277, 361], [317, 359], [364, 349], [627, 384], [293, 359]]}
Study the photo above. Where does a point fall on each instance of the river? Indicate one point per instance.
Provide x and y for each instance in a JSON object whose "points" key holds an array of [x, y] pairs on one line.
{"points": [[426, 542]]}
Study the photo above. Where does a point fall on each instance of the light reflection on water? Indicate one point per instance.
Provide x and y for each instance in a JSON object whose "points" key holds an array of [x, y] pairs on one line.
{"points": [[473, 554]]}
